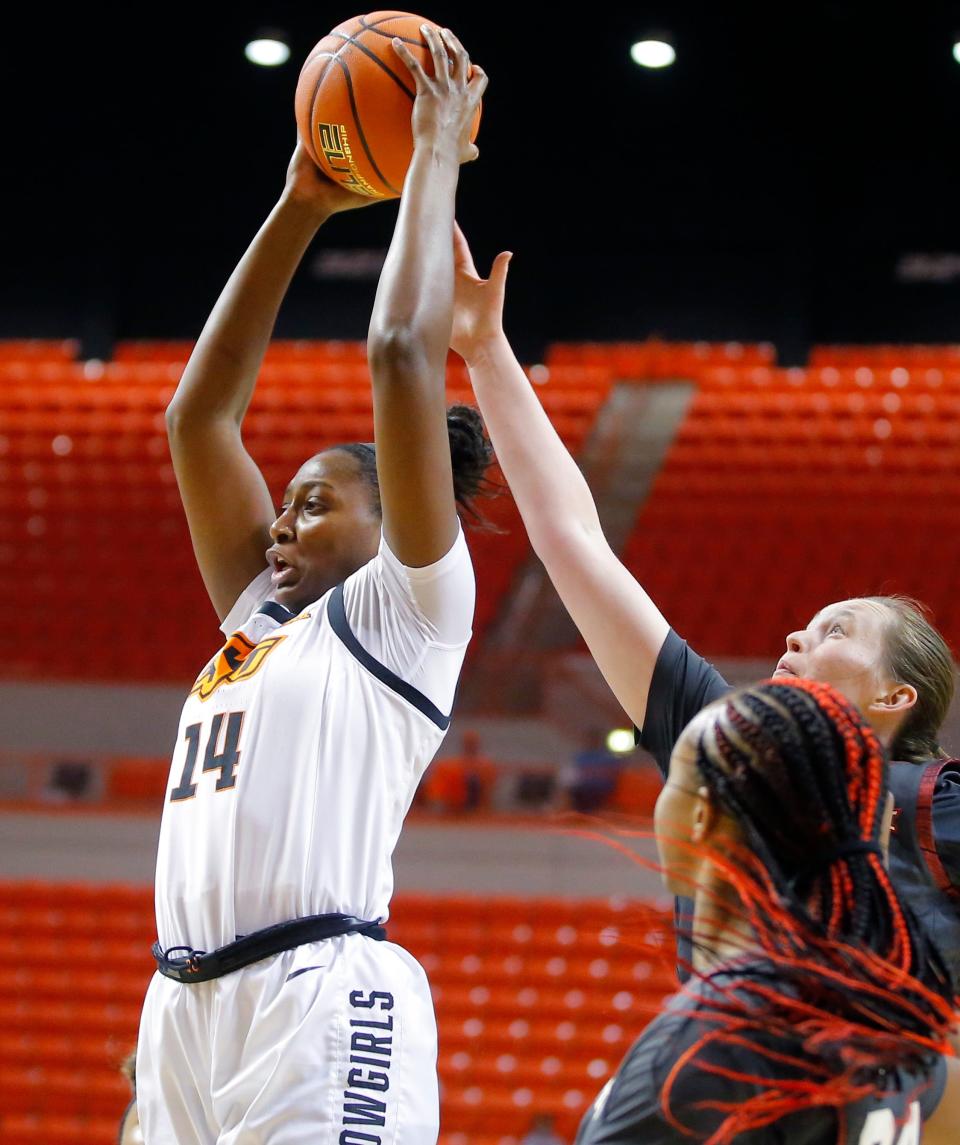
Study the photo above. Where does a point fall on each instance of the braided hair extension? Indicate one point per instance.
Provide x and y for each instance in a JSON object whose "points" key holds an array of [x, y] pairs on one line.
{"points": [[853, 980]]}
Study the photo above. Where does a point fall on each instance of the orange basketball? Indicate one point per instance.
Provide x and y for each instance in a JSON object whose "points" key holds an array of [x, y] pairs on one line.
{"points": [[355, 98]]}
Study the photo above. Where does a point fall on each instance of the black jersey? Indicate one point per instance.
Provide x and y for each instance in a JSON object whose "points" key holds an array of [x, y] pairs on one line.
{"points": [[925, 870], [630, 1111]]}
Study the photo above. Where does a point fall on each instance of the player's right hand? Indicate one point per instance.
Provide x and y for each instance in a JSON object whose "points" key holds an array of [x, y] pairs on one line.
{"points": [[308, 185], [447, 101]]}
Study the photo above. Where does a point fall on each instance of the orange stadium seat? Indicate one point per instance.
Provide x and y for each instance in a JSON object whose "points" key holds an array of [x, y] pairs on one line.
{"points": [[137, 781], [34, 1129], [887, 356], [863, 427], [35, 350], [536, 1041], [772, 470], [83, 441]]}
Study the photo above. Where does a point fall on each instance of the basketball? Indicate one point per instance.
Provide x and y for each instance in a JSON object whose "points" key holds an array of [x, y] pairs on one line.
{"points": [[355, 98]]}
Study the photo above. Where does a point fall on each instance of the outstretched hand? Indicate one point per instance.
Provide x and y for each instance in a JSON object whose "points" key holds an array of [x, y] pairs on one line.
{"points": [[307, 184], [477, 302]]}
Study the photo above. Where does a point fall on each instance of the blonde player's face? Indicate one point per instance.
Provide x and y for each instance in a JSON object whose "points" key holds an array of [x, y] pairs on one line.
{"points": [[844, 645], [327, 529]]}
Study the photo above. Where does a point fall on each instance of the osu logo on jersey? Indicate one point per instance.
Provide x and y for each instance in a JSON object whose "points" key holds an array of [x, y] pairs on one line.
{"points": [[238, 659]]}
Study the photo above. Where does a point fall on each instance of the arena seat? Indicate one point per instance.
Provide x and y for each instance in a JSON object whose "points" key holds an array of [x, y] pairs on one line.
{"points": [[83, 446], [32, 1129], [889, 356], [785, 489], [296, 351], [137, 781], [762, 454], [654, 360], [38, 350], [527, 1041]]}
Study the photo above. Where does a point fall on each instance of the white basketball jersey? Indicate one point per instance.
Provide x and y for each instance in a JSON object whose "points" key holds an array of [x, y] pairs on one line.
{"points": [[300, 747]]}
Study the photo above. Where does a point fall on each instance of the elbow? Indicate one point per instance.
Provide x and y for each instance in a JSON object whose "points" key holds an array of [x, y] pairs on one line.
{"points": [[396, 351], [184, 423], [565, 540], [181, 420], [174, 418]]}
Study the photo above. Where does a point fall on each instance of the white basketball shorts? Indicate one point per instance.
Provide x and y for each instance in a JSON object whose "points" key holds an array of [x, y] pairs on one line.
{"points": [[334, 1041]]}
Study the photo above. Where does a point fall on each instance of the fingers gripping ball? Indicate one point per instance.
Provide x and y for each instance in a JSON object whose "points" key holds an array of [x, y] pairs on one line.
{"points": [[355, 98]]}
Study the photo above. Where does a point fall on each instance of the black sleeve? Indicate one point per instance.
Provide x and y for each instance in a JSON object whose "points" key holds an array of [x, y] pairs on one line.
{"points": [[682, 684]]}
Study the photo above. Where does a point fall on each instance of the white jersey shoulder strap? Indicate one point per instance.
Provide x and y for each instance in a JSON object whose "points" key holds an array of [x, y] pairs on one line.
{"points": [[337, 615]]}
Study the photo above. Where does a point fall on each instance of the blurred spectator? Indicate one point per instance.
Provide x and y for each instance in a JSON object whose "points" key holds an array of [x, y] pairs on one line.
{"points": [[463, 782], [541, 1132], [591, 778], [536, 789], [69, 781]]}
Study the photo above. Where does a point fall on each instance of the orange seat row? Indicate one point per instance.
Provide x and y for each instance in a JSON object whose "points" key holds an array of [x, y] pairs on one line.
{"points": [[508, 1047]]}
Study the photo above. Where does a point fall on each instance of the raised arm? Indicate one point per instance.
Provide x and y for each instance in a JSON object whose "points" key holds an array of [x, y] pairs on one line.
{"points": [[623, 628], [225, 497], [411, 320]]}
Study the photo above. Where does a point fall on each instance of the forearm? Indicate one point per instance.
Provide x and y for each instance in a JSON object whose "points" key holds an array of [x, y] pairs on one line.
{"points": [[547, 485], [219, 379], [414, 303]]}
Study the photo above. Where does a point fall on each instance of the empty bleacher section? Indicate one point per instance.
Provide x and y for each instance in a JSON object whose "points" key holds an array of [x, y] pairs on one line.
{"points": [[91, 529], [90, 521], [781, 490], [537, 1000], [654, 360], [786, 489]]}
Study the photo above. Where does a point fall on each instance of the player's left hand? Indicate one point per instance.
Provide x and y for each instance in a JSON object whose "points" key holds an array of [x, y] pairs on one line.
{"points": [[477, 302], [447, 101], [308, 185]]}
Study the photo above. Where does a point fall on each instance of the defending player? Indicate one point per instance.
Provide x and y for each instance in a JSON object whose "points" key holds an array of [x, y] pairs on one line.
{"points": [[879, 652], [279, 1015], [818, 1008]]}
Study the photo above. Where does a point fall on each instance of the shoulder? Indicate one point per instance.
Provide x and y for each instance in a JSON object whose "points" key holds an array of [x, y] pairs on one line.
{"points": [[657, 1080], [938, 778], [723, 1059], [682, 683], [681, 670], [455, 558], [434, 602], [927, 796]]}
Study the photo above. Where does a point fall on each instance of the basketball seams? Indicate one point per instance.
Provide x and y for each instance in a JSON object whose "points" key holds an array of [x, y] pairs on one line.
{"points": [[394, 36], [363, 138], [351, 40], [348, 79], [313, 104], [375, 27], [326, 96], [384, 17]]}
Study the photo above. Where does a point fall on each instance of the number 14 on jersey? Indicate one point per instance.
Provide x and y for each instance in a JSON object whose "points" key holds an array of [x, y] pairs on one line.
{"points": [[221, 754]]}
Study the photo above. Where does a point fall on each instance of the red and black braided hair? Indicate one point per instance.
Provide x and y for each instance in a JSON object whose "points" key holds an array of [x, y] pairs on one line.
{"points": [[854, 981]]}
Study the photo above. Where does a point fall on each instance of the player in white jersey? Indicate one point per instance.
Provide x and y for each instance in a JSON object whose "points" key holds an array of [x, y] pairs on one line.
{"points": [[279, 1014]]}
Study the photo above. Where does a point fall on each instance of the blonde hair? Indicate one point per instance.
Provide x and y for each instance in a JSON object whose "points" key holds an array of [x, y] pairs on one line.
{"points": [[918, 655]]}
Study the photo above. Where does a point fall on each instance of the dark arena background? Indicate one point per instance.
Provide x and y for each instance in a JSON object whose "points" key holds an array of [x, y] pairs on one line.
{"points": [[736, 285]]}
